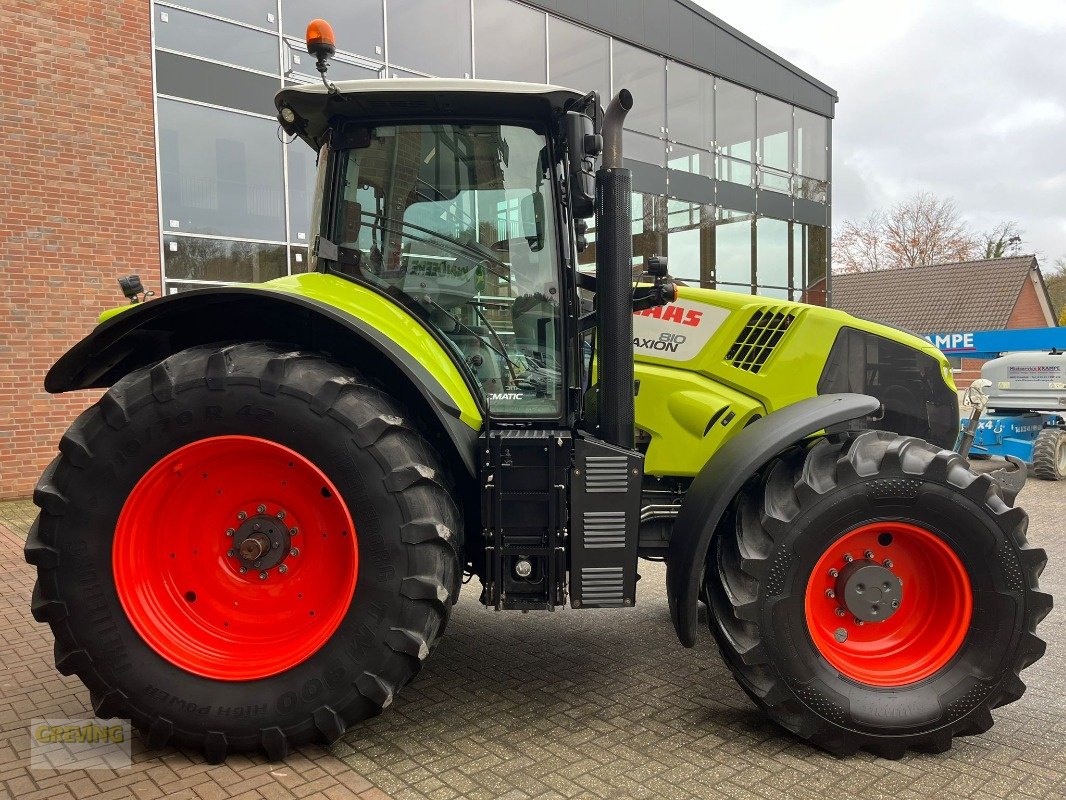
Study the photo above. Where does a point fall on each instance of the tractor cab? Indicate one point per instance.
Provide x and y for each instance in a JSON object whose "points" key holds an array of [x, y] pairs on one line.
{"points": [[446, 196]]}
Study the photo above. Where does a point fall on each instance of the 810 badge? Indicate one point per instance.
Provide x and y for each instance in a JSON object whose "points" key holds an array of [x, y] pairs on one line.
{"points": [[676, 332]]}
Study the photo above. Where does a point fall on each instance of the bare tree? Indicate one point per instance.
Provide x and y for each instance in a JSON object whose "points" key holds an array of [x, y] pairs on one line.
{"points": [[1055, 278], [924, 229], [860, 246], [1003, 240]]}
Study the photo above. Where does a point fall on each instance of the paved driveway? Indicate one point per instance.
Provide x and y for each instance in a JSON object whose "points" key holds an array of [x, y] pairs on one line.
{"points": [[599, 704]]}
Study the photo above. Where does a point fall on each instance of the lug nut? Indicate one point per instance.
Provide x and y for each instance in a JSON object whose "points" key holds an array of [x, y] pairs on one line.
{"points": [[281, 515], [832, 572], [242, 516], [895, 604], [848, 558], [230, 531], [262, 576], [231, 553], [282, 568], [293, 531], [888, 563], [858, 621], [244, 570], [260, 508], [841, 612], [830, 593], [294, 551], [869, 554]]}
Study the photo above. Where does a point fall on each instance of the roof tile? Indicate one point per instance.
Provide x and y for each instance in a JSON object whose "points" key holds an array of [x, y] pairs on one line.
{"points": [[940, 298]]}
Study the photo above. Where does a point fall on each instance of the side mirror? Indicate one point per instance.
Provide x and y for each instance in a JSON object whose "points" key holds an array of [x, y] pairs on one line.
{"points": [[583, 145]]}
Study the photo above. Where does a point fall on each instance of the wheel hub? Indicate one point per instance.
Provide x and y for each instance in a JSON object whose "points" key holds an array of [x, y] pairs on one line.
{"points": [[225, 594], [869, 591], [261, 542], [858, 618]]}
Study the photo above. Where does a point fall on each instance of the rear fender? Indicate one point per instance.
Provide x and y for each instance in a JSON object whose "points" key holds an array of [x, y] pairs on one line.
{"points": [[405, 358], [714, 488]]}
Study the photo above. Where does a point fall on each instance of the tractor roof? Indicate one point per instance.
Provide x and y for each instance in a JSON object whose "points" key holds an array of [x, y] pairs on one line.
{"points": [[418, 98]]}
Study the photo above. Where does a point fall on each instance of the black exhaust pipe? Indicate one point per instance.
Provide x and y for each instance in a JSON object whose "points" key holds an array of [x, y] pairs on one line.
{"points": [[614, 279]]}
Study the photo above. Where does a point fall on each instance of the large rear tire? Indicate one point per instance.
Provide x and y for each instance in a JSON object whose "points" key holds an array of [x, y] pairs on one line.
{"points": [[244, 548], [872, 592], [1049, 455]]}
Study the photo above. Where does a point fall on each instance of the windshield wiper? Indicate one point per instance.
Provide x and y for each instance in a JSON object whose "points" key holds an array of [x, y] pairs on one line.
{"points": [[499, 348], [462, 249], [499, 342], [458, 248]]}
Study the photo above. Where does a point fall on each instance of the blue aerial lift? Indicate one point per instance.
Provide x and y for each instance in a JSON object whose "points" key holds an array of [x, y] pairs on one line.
{"points": [[1019, 405]]}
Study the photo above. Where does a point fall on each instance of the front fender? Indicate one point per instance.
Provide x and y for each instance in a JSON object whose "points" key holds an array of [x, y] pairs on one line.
{"points": [[714, 488], [353, 324]]}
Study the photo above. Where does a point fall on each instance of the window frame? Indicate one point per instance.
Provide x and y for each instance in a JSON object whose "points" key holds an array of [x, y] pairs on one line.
{"points": [[567, 329]]}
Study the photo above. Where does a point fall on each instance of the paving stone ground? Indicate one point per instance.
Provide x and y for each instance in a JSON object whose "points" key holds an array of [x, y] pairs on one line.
{"points": [[589, 704]]}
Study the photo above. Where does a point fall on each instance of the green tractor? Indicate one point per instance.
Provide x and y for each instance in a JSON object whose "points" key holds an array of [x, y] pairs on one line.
{"points": [[256, 536]]}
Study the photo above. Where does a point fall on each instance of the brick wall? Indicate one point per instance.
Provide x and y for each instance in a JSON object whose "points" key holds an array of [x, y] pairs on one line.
{"points": [[1028, 313], [78, 167], [969, 372]]}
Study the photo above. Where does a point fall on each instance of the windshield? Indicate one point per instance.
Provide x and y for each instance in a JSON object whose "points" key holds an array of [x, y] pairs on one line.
{"points": [[458, 219]]}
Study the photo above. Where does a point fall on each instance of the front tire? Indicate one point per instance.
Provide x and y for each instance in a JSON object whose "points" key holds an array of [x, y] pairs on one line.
{"points": [[244, 548], [1049, 455], [872, 592]]}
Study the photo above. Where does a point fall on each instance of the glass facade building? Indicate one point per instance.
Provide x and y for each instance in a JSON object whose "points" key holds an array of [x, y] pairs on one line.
{"points": [[729, 145]]}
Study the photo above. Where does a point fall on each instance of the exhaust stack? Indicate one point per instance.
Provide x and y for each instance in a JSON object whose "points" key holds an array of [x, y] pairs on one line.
{"points": [[614, 279]]}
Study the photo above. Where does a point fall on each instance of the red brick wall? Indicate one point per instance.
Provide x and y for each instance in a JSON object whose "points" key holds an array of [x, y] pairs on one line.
{"points": [[1028, 312], [78, 170], [970, 371]]}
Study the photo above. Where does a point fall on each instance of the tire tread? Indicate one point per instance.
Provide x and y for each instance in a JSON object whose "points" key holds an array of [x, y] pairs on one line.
{"points": [[431, 533], [742, 556]]}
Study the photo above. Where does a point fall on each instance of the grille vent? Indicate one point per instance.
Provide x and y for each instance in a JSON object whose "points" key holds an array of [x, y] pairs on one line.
{"points": [[606, 474], [602, 529], [760, 336], [602, 586]]}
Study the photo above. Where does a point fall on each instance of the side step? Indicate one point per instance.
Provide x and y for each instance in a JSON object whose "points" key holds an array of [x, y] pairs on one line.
{"points": [[552, 504], [523, 499]]}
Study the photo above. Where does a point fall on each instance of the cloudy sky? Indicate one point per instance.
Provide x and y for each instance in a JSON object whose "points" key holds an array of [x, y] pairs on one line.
{"points": [[964, 99]]}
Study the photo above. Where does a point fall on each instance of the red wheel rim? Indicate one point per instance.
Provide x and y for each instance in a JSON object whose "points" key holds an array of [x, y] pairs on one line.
{"points": [[187, 529], [921, 634]]}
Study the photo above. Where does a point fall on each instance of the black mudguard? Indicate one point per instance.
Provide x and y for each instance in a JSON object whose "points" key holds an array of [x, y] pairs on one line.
{"points": [[723, 476], [145, 335]]}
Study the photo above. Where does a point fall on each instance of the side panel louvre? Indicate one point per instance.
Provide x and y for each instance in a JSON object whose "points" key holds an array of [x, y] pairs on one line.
{"points": [[604, 586], [604, 520], [604, 529], [606, 473]]}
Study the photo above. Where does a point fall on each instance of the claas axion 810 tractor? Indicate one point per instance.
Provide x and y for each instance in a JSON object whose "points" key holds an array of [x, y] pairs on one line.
{"points": [[257, 534]]}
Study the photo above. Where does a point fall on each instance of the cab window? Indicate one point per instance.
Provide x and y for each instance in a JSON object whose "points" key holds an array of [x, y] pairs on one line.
{"points": [[457, 219]]}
